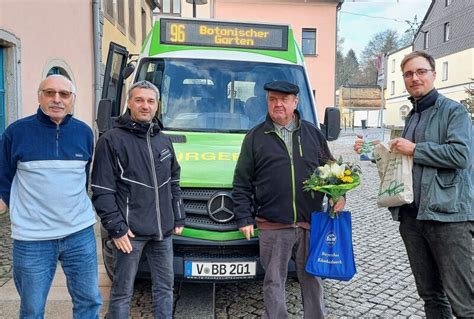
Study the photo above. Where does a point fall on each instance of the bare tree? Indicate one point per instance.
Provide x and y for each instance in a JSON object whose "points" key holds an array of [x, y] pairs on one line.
{"points": [[381, 43]]}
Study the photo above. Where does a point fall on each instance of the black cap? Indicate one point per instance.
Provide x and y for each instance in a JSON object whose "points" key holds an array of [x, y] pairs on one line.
{"points": [[282, 86]]}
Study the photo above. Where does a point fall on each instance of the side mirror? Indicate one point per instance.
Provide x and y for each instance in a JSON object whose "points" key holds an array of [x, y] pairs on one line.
{"points": [[104, 116], [332, 123], [128, 71]]}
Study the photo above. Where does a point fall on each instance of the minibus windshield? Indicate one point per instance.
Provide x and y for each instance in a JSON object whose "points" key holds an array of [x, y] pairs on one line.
{"points": [[218, 95]]}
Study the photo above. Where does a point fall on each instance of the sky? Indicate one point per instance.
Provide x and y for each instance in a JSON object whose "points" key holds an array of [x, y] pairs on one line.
{"points": [[360, 20]]}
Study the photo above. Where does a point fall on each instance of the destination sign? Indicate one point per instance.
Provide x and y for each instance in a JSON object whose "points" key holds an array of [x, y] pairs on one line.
{"points": [[224, 34]]}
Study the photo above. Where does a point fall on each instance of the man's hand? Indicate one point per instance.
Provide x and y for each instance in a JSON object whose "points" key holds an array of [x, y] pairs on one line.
{"points": [[123, 243], [247, 231], [402, 146], [360, 141], [339, 206], [178, 230], [358, 144]]}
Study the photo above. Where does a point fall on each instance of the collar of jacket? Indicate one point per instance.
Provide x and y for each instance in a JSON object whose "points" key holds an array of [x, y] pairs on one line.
{"points": [[45, 119], [125, 122], [270, 127], [425, 102]]}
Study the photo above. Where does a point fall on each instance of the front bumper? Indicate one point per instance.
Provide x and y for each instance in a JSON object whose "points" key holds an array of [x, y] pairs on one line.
{"points": [[200, 250]]}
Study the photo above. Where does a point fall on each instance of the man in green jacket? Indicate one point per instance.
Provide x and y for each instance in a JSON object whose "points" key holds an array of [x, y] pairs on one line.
{"points": [[437, 228]]}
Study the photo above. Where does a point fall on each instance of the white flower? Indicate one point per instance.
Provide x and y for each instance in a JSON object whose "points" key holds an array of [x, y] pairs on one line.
{"points": [[338, 170], [324, 171], [331, 169]]}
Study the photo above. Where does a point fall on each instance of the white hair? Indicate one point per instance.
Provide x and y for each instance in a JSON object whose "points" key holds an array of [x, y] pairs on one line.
{"points": [[73, 87]]}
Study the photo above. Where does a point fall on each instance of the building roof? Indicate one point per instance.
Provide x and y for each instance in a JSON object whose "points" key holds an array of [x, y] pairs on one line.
{"points": [[400, 49], [424, 19]]}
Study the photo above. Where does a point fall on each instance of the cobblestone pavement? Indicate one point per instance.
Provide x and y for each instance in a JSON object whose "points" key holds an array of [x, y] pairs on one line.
{"points": [[383, 286]]}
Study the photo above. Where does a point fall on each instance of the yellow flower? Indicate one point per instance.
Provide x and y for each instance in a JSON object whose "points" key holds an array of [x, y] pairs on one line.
{"points": [[347, 172], [347, 179]]}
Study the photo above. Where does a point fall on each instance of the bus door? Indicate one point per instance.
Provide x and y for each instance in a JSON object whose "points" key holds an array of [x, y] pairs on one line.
{"points": [[111, 99]]}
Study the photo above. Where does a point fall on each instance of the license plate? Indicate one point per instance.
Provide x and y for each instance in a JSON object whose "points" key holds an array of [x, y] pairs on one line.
{"points": [[219, 270]]}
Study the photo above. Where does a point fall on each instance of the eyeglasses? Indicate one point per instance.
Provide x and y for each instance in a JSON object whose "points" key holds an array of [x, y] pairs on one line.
{"points": [[419, 73], [52, 93]]}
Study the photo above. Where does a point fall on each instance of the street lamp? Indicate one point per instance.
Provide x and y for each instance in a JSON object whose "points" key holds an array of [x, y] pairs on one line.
{"points": [[194, 3]]}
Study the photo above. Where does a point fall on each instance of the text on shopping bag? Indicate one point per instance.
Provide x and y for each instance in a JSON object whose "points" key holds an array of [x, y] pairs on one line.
{"points": [[331, 252]]}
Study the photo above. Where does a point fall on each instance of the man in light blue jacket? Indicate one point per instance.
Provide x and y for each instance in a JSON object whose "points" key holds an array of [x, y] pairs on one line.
{"points": [[437, 228], [44, 167]]}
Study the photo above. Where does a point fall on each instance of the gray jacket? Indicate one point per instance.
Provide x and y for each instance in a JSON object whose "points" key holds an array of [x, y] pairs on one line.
{"points": [[448, 176]]}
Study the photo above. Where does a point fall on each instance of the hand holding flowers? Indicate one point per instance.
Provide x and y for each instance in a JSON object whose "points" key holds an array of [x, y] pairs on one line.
{"points": [[334, 179]]}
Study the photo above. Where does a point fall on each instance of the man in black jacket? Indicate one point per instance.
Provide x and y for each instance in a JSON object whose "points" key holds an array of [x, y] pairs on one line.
{"points": [[276, 157], [135, 183]]}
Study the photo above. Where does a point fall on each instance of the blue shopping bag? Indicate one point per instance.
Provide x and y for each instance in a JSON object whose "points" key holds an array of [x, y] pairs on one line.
{"points": [[331, 255]]}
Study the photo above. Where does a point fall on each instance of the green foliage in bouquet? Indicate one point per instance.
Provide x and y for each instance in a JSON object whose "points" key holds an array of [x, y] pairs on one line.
{"points": [[334, 179]]}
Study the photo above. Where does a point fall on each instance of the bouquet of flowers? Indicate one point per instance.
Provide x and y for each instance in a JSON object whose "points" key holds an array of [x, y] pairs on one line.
{"points": [[334, 179]]}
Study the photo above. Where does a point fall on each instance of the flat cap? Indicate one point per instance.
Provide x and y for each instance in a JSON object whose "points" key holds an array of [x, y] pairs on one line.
{"points": [[282, 86]]}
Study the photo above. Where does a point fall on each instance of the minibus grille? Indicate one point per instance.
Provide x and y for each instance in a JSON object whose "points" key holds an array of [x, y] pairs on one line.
{"points": [[218, 217]]}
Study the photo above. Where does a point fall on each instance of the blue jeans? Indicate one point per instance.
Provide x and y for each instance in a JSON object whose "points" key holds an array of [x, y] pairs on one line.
{"points": [[160, 260], [441, 259], [34, 266]]}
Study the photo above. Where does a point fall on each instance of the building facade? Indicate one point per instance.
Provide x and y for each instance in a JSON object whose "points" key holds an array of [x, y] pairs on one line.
{"points": [[63, 37], [126, 23], [446, 33], [397, 104], [37, 40]]}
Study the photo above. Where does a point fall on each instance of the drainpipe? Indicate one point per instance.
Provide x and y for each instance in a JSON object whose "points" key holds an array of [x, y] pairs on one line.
{"points": [[97, 45], [338, 8]]}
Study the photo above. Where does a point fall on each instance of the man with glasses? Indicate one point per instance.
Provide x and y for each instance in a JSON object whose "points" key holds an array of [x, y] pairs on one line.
{"points": [[44, 168], [437, 228]]}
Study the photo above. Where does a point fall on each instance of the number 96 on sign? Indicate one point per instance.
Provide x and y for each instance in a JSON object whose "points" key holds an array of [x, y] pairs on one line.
{"points": [[219, 270]]}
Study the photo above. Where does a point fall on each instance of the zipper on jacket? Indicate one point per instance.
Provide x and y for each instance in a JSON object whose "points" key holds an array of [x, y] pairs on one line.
{"points": [[127, 211], [57, 140], [414, 129], [293, 179], [292, 172], [299, 144], [155, 181]]}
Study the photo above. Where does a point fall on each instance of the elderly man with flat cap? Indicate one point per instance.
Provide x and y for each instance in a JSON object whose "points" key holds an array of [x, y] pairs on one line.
{"points": [[276, 157]]}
